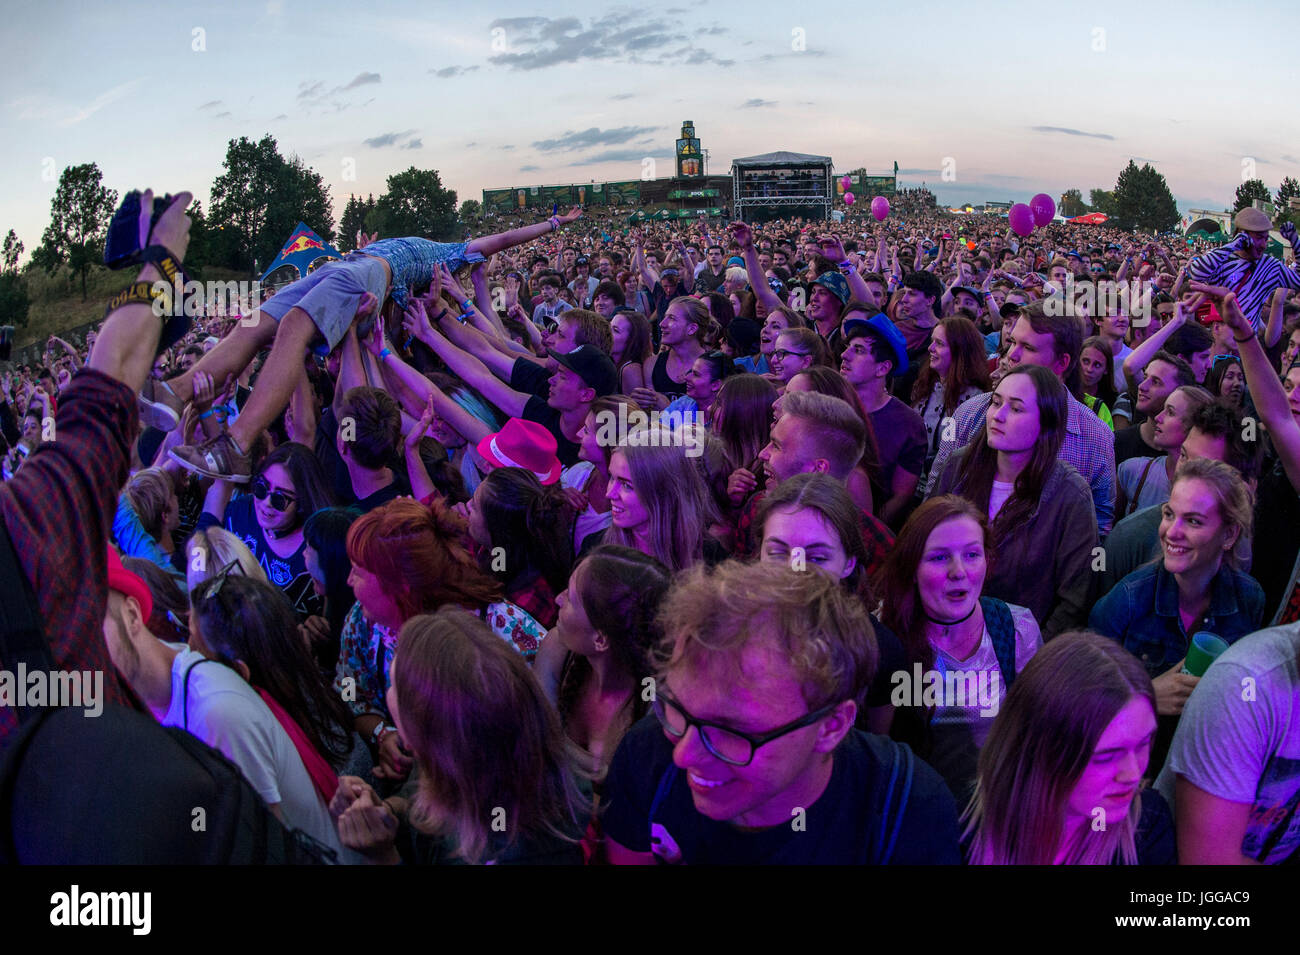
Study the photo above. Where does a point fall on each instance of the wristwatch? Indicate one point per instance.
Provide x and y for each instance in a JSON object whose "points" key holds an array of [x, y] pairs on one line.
{"points": [[377, 734]]}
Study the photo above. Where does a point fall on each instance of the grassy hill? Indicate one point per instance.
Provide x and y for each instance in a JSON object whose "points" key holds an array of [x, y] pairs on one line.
{"points": [[57, 306]]}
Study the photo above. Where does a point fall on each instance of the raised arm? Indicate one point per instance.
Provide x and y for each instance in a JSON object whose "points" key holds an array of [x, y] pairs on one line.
{"points": [[1138, 358], [470, 369], [744, 237]]}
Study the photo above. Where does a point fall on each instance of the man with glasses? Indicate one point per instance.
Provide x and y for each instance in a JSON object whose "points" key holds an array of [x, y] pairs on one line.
{"points": [[751, 756]]}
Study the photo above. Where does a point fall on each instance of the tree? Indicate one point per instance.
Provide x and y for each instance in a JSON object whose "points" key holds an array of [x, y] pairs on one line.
{"points": [[13, 290], [1248, 192], [470, 211], [416, 204], [261, 197], [79, 215], [1102, 200], [1142, 200], [1072, 203], [12, 250], [1290, 189], [354, 221]]}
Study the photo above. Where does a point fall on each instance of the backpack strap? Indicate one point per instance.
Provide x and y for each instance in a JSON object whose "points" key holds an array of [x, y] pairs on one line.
{"points": [[902, 768], [1133, 504], [22, 636], [1002, 628]]}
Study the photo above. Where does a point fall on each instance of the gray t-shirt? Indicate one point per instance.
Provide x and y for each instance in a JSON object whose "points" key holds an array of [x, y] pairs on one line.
{"points": [[227, 714], [1239, 739]]}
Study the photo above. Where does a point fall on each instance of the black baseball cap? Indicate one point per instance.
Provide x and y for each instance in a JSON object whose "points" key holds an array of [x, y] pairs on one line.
{"points": [[593, 366]]}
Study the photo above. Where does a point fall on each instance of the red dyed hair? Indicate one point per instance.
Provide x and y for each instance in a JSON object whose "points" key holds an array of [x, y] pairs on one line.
{"points": [[417, 554]]}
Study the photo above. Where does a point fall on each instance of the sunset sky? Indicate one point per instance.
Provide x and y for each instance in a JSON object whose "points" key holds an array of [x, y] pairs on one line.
{"points": [[1024, 97]]}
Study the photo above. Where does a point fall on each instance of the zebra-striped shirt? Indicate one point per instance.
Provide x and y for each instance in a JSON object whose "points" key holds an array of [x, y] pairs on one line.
{"points": [[1224, 267]]}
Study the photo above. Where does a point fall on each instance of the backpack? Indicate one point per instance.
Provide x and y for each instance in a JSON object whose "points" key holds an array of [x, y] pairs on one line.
{"points": [[1002, 630], [77, 790], [120, 789]]}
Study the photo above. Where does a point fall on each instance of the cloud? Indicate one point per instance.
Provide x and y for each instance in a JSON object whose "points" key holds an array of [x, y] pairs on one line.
{"points": [[1069, 132], [470, 145], [622, 36], [416, 143], [508, 146], [613, 155], [447, 72], [281, 116], [100, 101], [1144, 159], [361, 79], [757, 103], [769, 57], [624, 96], [530, 168], [225, 115], [588, 138], [1290, 159], [385, 139], [210, 104], [306, 91], [918, 172]]}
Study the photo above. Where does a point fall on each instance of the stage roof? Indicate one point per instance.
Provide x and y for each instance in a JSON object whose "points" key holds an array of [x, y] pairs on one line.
{"points": [[781, 159]]}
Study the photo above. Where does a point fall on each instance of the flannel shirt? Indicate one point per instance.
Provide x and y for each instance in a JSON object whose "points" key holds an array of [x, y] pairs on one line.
{"points": [[58, 510]]}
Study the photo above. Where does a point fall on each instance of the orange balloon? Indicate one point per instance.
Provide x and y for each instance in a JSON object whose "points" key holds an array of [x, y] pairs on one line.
{"points": [[970, 244]]}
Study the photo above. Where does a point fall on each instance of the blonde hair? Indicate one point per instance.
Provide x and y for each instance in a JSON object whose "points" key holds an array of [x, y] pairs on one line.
{"points": [[211, 551], [1235, 499], [150, 491]]}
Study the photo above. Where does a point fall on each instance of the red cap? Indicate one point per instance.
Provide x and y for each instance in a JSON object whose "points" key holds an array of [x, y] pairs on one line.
{"points": [[129, 584]]}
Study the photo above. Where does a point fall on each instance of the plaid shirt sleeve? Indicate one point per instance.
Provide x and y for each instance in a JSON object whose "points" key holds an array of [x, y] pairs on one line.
{"points": [[879, 540], [58, 509]]}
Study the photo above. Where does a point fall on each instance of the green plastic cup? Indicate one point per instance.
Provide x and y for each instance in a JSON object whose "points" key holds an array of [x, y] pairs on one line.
{"points": [[1202, 651]]}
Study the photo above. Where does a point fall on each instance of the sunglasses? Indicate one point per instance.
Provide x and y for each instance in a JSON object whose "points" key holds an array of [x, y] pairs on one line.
{"points": [[280, 500], [210, 589], [1219, 358]]}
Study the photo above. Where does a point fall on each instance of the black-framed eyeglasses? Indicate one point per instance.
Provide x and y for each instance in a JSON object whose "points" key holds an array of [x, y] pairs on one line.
{"points": [[781, 354], [727, 744], [280, 500]]}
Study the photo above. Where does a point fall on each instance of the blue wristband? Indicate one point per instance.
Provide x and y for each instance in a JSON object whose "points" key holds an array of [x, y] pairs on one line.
{"points": [[208, 414], [467, 305], [384, 353]]}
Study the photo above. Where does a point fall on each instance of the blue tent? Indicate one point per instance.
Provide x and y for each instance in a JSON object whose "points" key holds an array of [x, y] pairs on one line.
{"points": [[302, 250]]}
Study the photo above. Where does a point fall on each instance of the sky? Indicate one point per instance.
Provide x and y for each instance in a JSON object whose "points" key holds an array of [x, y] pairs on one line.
{"points": [[1011, 99]]}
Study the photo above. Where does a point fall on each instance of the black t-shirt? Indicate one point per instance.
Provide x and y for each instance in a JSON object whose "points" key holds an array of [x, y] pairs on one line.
{"points": [[539, 411], [706, 281], [399, 488], [842, 827], [327, 452], [1273, 556], [1129, 443], [530, 378]]}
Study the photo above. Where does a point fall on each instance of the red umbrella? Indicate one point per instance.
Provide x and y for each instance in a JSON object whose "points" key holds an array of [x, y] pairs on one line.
{"points": [[1092, 218]]}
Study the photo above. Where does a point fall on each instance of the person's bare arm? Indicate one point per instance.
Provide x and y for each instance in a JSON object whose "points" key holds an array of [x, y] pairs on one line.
{"points": [[470, 369], [1137, 359], [1210, 829], [744, 237], [1265, 389], [1273, 331]]}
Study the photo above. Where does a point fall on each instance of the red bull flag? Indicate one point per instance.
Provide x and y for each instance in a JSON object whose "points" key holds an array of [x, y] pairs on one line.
{"points": [[302, 250]]}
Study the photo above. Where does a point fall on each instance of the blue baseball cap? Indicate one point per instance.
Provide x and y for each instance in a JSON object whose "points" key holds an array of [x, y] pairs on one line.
{"points": [[880, 326]]}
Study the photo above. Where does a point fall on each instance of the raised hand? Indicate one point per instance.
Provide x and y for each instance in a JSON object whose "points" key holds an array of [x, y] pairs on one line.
{"points": [[742, 233], [415, 321], [418, 430], [573, 215], [374, 342]]}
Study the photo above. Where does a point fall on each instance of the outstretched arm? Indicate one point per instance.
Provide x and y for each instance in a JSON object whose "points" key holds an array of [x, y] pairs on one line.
{"points": [[490, 244], [469, 368], [744, 236]]}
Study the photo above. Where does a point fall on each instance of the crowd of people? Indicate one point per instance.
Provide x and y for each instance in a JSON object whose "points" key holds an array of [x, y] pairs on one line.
{"points": [[778, 542]]}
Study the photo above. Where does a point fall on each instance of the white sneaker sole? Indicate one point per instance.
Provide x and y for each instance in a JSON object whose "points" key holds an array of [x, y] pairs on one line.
{"points": [[208, 471]]}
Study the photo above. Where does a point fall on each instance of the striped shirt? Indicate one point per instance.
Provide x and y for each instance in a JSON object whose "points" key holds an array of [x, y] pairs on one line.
{"points": [[1254, 282], [1088, 445]]}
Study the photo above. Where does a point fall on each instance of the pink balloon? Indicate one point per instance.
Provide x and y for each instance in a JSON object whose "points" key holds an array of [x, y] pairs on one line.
{"points": [[880, 208], [848, 198], [846, 182], [1021, 218], [1043, 207]]}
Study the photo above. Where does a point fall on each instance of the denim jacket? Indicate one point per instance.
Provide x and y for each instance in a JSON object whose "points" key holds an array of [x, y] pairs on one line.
{"points": [[1141, 612]]}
